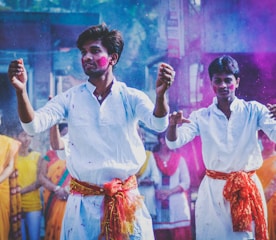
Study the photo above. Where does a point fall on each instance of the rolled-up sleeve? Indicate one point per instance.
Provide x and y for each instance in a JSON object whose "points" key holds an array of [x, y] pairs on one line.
{"points": [[29, 128], [174, 144], [185, 133], [160, 123], [46, 116]]}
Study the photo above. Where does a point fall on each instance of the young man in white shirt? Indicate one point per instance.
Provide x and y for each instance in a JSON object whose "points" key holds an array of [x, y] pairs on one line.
{"points": [[230, 202], [105, 149]]}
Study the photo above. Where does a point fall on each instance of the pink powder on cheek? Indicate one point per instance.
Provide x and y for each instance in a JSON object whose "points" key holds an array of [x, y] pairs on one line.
{"points": [[102, 61], [232, 87], [215, 89]]}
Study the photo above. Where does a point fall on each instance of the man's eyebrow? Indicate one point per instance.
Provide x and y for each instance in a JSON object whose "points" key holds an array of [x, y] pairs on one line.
{"points": [[94, 46]]}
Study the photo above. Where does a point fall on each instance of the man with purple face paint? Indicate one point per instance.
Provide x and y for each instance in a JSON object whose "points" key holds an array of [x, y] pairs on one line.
{"points": [[105, 149], [230, 203]]}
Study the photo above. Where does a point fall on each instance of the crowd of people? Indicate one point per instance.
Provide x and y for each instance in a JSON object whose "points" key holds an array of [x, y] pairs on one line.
{"points": [[106, 186]]}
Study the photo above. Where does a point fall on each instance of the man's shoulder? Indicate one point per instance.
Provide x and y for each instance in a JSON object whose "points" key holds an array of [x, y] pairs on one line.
{"points": [[248, 106], [203, 110], [250, 103], [129, 90], [73, 90], [78, 87]]}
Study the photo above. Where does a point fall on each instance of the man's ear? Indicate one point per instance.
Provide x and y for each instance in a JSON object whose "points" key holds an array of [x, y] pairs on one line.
{"points": [[238, 82], [114, 58]]}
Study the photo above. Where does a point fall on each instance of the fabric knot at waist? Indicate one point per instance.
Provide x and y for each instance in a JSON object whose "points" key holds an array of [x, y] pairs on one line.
{"points": [[245, 201], [119, 208]]}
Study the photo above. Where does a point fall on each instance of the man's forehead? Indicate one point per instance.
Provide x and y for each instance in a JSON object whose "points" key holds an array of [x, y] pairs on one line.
{"points": [[93, 43], [223, 75]]}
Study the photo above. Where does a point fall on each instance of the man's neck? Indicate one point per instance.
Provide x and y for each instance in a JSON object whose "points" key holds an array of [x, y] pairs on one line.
{"points": [[224, 106], [102, 83]]}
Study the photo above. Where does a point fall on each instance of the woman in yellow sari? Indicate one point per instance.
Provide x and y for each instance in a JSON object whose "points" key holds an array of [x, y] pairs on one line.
{"points": [[9, 210], [55, 179], [267, 175], [56, 187]]}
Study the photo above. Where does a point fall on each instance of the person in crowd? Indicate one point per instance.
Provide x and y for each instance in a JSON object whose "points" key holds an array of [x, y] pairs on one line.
{"points": [[267, 175], [27, 163], [105, 149], [10, 204], [173, 219], [55, 178], [230, 203], [147, 178], [15, 204]]}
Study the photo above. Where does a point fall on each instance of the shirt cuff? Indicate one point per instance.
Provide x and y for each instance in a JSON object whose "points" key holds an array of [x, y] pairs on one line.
{"points": [[28, 127], [173, 144], [161, 123]]}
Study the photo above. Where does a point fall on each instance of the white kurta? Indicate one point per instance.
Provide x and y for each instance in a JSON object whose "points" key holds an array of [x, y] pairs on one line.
{"points": [[104, 144], [227, 146]]}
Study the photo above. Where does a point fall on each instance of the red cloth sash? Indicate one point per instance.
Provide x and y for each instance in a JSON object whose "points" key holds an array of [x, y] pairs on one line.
{"points": [[245, 202], [119, 209]]}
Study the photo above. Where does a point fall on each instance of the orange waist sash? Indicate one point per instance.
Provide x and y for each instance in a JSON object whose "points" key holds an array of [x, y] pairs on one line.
{"points": [[245, 201], [119, 208]]}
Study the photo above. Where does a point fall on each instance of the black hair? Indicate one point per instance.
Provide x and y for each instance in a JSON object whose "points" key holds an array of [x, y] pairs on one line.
{"points": [[224, 64], [160, 136], [112, 40]]}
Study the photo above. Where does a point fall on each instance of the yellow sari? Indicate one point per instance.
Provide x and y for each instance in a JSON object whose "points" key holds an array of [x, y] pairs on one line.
{"points": [[54, 208], [266, 173], [10, 203]]}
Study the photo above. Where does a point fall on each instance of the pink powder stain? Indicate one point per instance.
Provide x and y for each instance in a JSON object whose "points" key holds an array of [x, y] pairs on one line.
{"points": [[215, 89], [232, 87], [102, 61]]}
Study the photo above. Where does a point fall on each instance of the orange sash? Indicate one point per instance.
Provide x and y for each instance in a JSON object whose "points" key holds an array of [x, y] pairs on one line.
{"points": [[245, 202], [119, 209]]}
